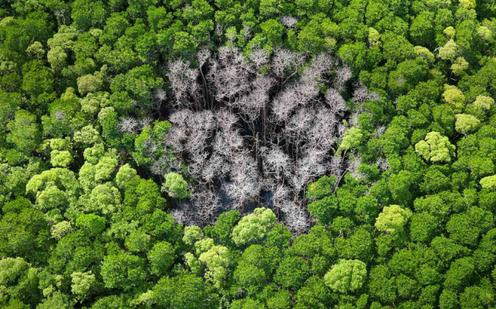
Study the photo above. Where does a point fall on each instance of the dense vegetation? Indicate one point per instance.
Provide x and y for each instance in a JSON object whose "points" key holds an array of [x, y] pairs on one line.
{"points": [[247, 154]]}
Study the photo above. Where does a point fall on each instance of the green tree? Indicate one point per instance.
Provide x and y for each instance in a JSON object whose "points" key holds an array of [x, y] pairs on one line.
{"points": [[24, 231], [318, 34], [292, 272], [477, 296], [86, 13], [466, 228], [138, 241], [24, 131], [320, 188], [37, 82], [92, 224], [19, 281], [161, 257], [182, 292], [459, 273], [138, 83], [423, 226], [123, 271], [314, 294]]}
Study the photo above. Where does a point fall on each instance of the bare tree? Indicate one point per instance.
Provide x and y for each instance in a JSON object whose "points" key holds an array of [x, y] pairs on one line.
{"points": [[182, 79], [288, 21], [229, 74], [261, 135], [128, 125]]}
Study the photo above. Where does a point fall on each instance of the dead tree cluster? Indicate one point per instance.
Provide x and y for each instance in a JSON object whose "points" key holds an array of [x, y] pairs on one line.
{"points": [[257, 130]]}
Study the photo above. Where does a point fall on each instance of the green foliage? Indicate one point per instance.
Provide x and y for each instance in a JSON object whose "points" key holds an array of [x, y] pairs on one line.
{"points": [[24, 131], [123, 271], [88, 116], [161, 257], [92, 224], [87, 13], [182, 292], [19, 281], [321, 188]]}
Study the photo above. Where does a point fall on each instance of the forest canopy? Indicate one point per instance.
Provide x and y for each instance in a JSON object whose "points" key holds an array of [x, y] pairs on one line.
{"points": [[247, 154]]}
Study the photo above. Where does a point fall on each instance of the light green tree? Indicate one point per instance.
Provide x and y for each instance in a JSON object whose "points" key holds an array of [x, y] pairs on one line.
{"points": [[374, 37], [484, 102], [54, 188], [98, 168], [161, 257], [176, 186], [81, 283], [485, 33], [36, 49], [104, 198], [351, 139], [125, 175], [459, 65], [60, 158], [454, 97], [346, 276], [466, 123], [449, 32], [449, 51], [89, 83], [87, 135], [392, 219], [60, 229], [204, 245], [217, 260], [192, 234], [435, 148], [253, 227], [468, 4], [488, 182], [424, 53]]}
